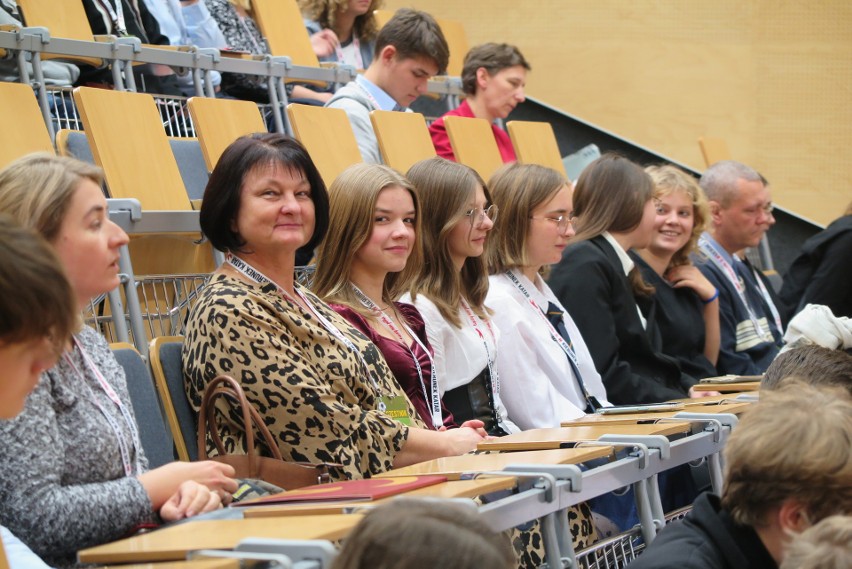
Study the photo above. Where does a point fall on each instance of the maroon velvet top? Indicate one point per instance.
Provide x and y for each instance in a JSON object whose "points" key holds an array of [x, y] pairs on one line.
{"points": [[399, 358]]}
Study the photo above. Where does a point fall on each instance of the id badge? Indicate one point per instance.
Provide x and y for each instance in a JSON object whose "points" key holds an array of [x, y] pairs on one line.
{"points": [[396, 408]]}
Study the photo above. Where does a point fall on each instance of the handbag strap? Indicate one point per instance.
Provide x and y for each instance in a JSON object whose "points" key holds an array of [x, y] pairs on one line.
{"points": [[228, 387]]}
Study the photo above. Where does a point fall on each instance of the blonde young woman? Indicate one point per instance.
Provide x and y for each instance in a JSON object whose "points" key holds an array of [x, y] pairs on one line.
{"points": [[547, 371], [449, 290], [685, 303], [72, 471], [372, 250]]}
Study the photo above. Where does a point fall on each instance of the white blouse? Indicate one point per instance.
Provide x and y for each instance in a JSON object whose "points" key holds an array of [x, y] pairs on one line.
{"points": [[538, 385], [459, 354]]}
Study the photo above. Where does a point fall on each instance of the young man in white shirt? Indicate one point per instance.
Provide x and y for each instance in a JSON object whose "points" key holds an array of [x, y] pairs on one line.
{"points": [[410, 49]]}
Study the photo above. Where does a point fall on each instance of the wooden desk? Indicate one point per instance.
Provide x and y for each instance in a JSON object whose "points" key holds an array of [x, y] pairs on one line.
{"points": [[728, 387], [541, 439], [173, 543], [447, 490], [650, 418], [454, 466]]}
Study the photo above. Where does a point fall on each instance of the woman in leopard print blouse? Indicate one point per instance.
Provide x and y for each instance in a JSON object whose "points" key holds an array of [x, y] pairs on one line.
{"points": [[323, 388]]}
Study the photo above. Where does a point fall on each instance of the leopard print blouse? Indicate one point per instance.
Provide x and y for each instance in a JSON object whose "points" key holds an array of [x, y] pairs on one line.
{"points": [[309, 387]]}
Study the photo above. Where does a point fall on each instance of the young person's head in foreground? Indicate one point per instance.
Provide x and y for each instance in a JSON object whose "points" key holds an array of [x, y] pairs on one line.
{"points": [[420, 534]]}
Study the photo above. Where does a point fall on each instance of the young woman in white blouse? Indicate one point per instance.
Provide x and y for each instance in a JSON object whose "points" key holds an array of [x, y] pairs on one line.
{"points": [[450, 291], [547, 371]]}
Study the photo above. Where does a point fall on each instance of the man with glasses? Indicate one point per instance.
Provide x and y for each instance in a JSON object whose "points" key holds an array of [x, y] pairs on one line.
{"points": [[741, 214]]}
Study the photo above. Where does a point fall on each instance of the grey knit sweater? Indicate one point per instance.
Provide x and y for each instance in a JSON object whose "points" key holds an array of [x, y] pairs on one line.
{"points": [[62, 482]]}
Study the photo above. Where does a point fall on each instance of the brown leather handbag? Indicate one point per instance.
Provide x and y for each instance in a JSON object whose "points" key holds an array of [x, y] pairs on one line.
{"points": [[275, 470]]}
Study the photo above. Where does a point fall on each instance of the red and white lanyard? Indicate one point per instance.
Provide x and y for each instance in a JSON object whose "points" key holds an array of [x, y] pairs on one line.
{"points": [[554, 334], [129, 452], [253, 274], [495, 377], [356, 45], [387, 321], [717, 259]]}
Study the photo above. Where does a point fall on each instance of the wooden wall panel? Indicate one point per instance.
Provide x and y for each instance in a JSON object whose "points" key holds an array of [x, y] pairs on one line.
{"points": [[773, 78]]}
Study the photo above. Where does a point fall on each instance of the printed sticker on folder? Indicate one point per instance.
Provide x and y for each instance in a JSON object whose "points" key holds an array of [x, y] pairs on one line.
{"points": [[349, 490]]}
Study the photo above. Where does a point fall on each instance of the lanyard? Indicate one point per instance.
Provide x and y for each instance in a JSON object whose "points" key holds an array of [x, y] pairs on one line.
{"points": [[126, 450], [356, 45], [591, 401], [708, 249], [768, 299], [435, 399], [495, 377], [253, 274], [369, 96], [116, 15]]}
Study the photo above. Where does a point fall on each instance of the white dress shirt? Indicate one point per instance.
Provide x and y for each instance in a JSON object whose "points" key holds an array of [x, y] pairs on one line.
{"points": [[460, 355], [627, 264], [539, 387]]}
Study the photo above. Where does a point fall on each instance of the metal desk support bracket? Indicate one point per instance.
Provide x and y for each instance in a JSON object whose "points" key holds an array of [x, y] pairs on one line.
{"points": [[319, 553], [643, 443], [567, 472]]}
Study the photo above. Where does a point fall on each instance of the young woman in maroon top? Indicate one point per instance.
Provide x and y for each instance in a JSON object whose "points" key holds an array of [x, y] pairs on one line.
{"points": [[362, 268]]}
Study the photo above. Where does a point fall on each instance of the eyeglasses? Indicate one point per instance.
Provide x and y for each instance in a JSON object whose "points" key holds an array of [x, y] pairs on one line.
{"points": [[562, 221], [477, 215], [767, 209]]}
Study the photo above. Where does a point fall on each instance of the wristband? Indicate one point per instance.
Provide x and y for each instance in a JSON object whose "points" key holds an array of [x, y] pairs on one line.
{"points": [[712, 298]]}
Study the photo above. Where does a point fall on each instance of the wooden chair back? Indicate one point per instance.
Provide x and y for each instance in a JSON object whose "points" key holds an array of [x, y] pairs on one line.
{"points": [[23, 129], [128, 141], [474, 145], [535, 143], [328, 137], [219, 122], [403, 138], [282, 25], [456, 37], [165, 355], [66, 20], [713, 149]]}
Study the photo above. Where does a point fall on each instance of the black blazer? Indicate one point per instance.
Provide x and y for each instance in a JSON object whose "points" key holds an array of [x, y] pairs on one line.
{"points": [[590, 282]]}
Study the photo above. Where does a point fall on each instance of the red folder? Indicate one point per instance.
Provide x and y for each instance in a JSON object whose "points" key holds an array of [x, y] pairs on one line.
{"points": [[349, 490]]}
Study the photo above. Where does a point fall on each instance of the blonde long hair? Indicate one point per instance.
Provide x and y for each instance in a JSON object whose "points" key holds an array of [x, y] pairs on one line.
{"points": [[670, 179], [324, 12], [445, 190], [352, 203]]}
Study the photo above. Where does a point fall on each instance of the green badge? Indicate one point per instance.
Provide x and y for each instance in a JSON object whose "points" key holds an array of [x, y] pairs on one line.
{"points": [[395, 408]]}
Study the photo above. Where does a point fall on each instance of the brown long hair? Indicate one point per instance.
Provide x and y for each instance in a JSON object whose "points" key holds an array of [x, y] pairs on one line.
{"points": [[445, 189], [352, 199], [610, 196], [517, 190]]}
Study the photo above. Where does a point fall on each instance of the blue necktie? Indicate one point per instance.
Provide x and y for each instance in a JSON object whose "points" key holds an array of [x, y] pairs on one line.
{"points": [[554, 315]]}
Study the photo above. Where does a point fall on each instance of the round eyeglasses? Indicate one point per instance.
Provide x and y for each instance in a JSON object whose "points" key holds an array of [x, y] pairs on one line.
{"points": [[477, 215], [562, 221]]}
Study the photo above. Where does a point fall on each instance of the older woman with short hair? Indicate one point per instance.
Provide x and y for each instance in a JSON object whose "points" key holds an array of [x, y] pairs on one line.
{"points": [[493, 79], [321, 386]]}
